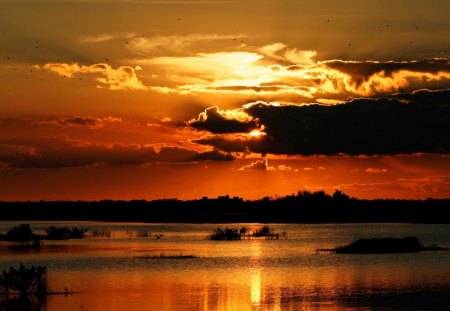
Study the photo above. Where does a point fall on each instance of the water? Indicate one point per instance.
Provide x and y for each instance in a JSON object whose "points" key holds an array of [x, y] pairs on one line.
{"points": [[116, 273]]}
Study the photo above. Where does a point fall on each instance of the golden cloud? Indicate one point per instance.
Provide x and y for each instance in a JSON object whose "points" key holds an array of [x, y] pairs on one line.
{"points": [[275, 71], [121, 78], [259, 165], [270, 72]]}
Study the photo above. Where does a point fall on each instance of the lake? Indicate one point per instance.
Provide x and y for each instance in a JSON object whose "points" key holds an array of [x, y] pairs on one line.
{"points": [[116, 269]]}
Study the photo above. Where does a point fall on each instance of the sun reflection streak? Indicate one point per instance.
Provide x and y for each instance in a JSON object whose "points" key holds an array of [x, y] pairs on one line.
{"points": [[255, 287], [255, 277]]}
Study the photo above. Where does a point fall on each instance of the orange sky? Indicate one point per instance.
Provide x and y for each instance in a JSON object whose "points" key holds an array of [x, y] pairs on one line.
{"points": [[184, 99]]}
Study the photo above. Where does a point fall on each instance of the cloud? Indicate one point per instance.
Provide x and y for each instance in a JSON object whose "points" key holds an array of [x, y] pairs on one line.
{"points": [[230, 143], [276, 72], [430, 185], [263, 165], [190, 65], [279, 51], [216, 121], [283, 167], [60, 152], [104, 37], [259, 165], [121, 78], [364, 69], [427, 186], [166, 120], [376, 171], [82, 121], [176, 43], [402, 124], [223, 68]]}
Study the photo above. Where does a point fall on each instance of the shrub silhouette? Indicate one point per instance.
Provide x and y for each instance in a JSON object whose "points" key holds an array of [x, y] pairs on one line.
{"points": [[264, 231], [55, 233], [24, 281], [226, 234], [21, 232], [63, 233], [77, 233]]}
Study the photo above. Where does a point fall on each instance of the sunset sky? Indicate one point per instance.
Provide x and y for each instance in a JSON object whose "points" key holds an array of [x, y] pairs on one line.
{"points": [[182, 99]]}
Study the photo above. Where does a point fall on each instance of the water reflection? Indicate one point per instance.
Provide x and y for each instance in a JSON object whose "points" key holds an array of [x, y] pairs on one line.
{"points": [[221, 297], [17, 303], [239, 275], [255, 288]]}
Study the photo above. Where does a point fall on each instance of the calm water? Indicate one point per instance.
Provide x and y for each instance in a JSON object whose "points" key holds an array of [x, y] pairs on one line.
{"points": [[109, 273]]}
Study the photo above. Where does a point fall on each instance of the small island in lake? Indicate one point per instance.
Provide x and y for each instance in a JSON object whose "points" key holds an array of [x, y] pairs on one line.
{"points": [[383, 246]]}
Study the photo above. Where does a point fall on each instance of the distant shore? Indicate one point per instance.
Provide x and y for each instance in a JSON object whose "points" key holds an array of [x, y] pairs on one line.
{"points": [[303, 207]]}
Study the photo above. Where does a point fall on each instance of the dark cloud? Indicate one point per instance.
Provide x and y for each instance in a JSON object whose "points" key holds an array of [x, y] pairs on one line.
{"points": [[426, 96], [228, 142], [82, 121], [212, 120], [364, 69], [369, 78], [403, 124], [79, 121], [59, 152]]}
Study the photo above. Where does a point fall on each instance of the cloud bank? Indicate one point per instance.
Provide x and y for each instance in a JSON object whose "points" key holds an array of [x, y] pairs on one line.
{"points": [[213, 64], [61, 152], [400, 124]]}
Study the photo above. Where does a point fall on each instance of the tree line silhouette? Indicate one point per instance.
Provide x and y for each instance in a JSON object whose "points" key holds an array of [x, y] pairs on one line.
{"points": [[302, 207]]}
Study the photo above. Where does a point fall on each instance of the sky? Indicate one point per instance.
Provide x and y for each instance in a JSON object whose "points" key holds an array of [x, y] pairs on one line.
{"points": [[139, 99]]}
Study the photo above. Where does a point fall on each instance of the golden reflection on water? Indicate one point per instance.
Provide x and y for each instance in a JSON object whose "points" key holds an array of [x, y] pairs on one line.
{"points": [[107, 275], [255, 278], [255, 287], [177, 286]]}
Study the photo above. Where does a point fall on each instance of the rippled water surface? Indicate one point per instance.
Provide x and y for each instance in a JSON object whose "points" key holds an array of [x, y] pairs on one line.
{"points": [[115, 270]]}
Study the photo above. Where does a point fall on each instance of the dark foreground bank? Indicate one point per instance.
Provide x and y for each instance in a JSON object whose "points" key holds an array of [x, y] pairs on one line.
{"points": [[303, 207]]}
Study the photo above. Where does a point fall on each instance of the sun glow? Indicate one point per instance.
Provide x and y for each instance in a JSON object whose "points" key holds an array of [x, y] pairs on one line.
{"points": [[256, 133]]}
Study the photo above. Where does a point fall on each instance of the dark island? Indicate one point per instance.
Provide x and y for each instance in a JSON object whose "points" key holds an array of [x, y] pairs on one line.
{"points": [[24, 233], [303, 207], [384, 246]]}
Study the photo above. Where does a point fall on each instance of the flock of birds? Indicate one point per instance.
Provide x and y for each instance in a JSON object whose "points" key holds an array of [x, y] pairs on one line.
{"points": [[37, 46]]}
